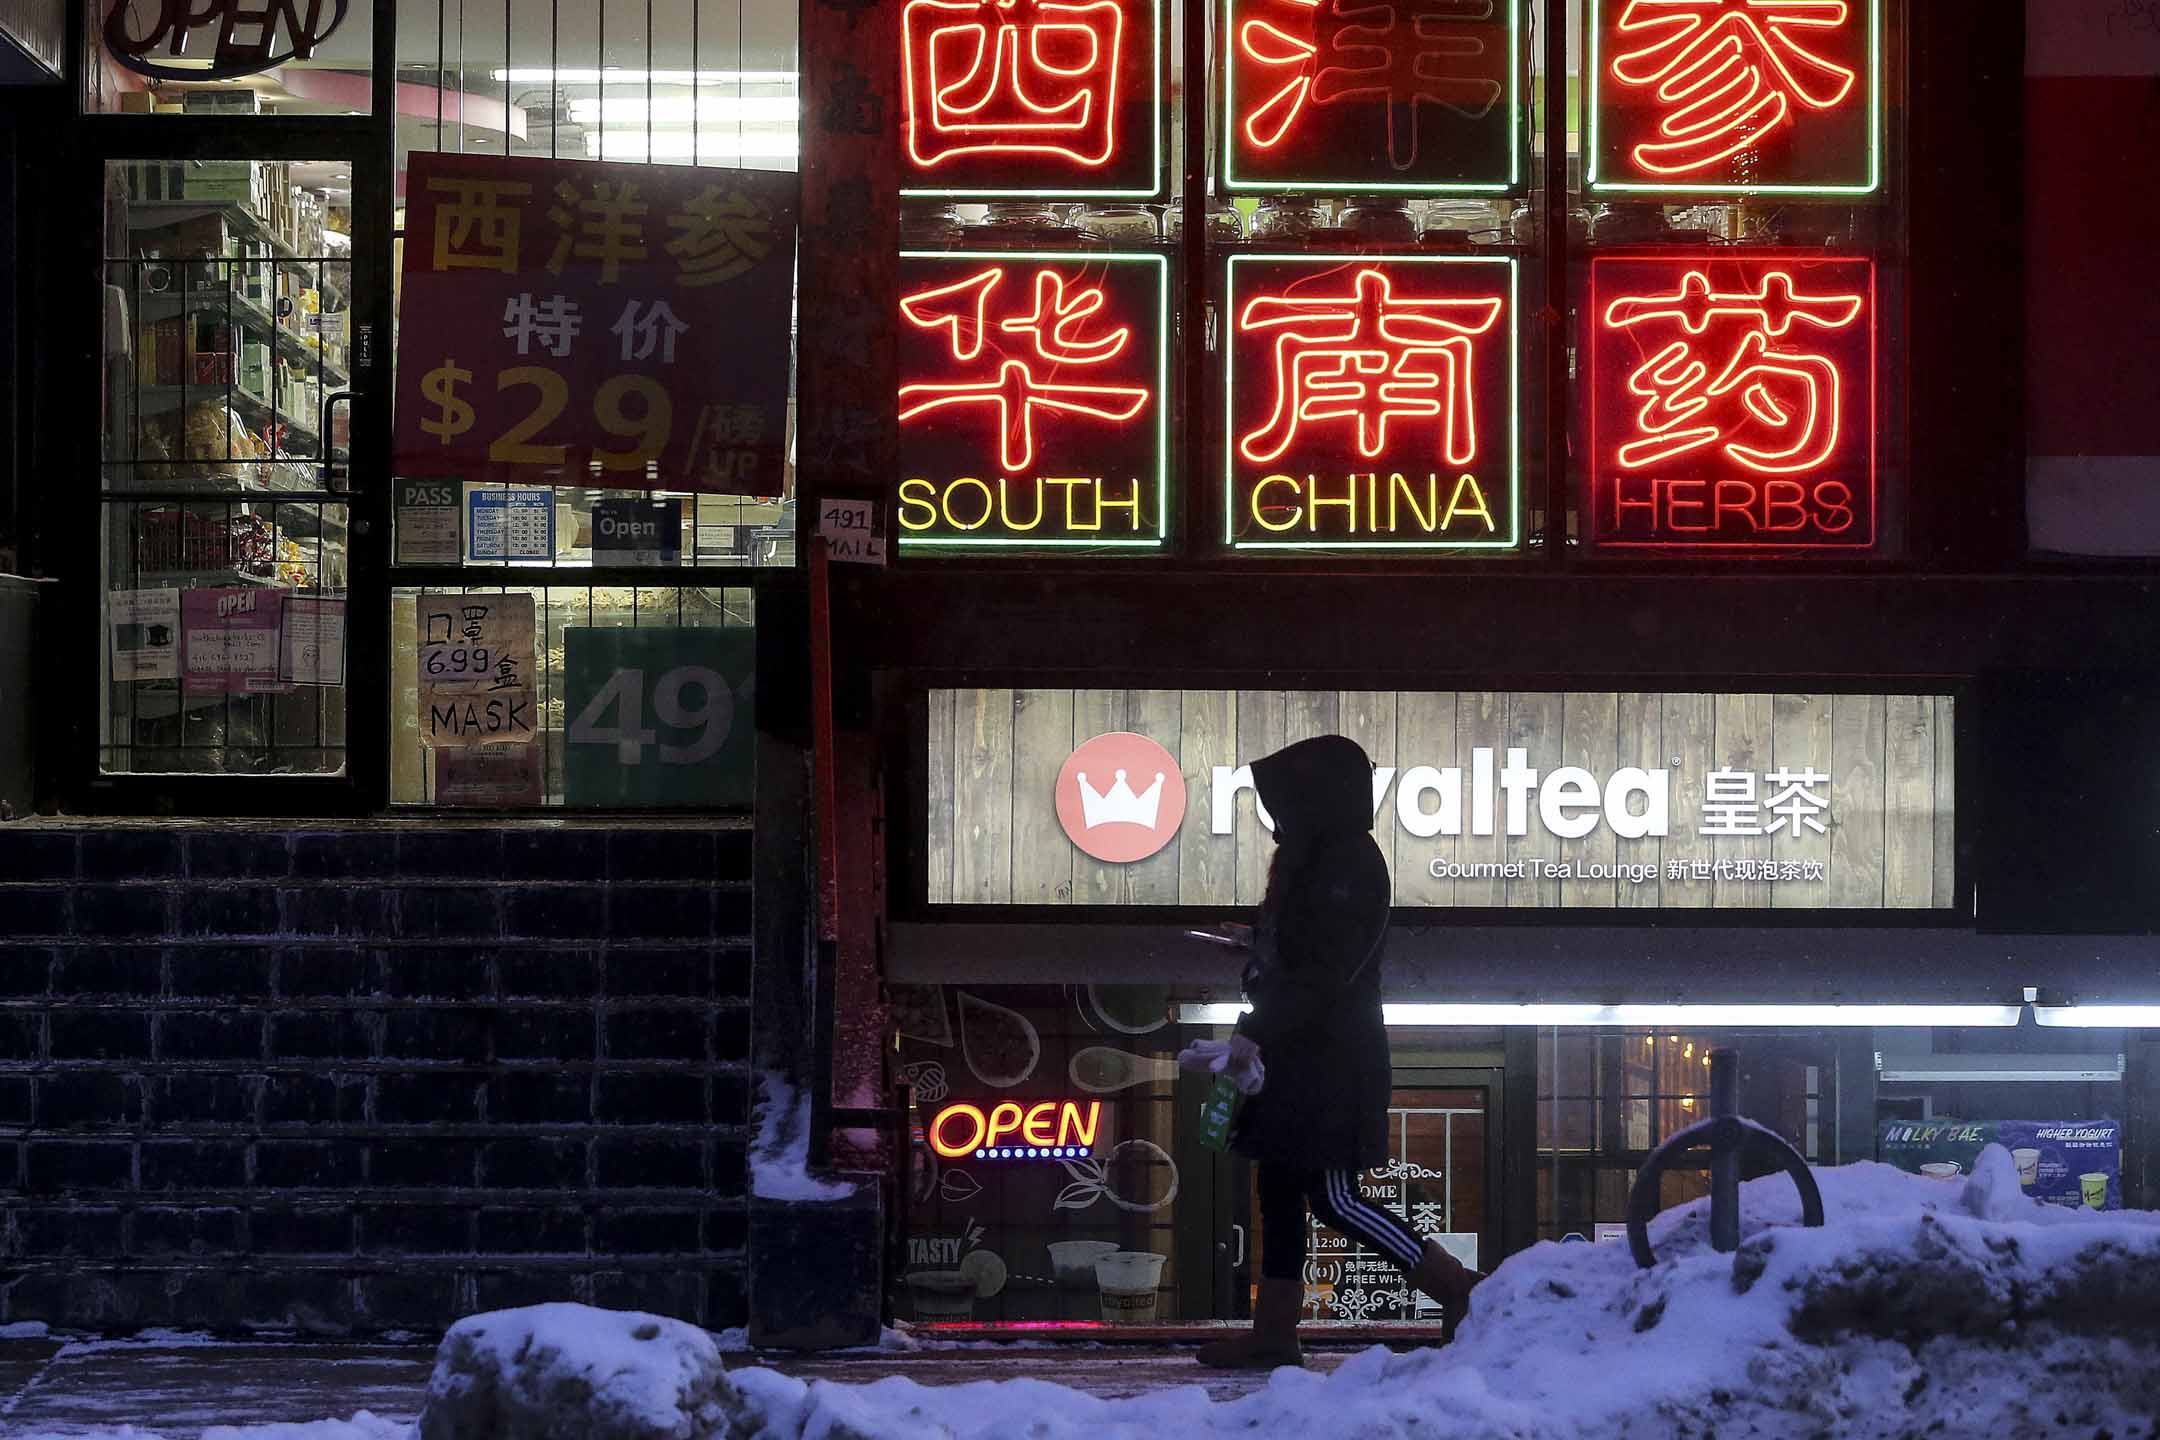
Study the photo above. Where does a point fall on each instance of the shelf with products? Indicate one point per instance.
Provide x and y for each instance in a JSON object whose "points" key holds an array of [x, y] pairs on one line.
{"points": [[252, 317], [154, 400]]}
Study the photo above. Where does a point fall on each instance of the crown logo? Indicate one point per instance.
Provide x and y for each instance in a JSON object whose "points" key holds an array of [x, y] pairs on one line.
{"points": [[1119, 805]]}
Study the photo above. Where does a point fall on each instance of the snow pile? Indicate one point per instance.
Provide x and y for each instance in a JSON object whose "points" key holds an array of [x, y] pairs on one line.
{"points": [[553, 1371], [780, 1155], [362, 1426], [1921, 1307]]}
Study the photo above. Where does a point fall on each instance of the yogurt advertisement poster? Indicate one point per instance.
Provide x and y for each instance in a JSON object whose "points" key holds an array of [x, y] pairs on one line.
{"points": [[2059, 1162]]}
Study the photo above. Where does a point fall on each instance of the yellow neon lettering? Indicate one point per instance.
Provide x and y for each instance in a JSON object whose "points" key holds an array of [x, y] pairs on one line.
{"points": [[1455, 506], [1073, 485], [1004, 1120], [1037, 1129], [989, 504], [1103, 502], [1072, 1130], [917, 493], [1005, 489], [1259, 516], [1315, 502], [1402, 493]]}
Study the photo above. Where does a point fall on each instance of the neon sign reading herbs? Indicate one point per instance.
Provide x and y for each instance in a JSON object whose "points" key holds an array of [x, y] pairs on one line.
{"points": [[1371, 402], [1732, 401], [1763, 97], [1031, 399], [1372, 95], [1032, 97]]}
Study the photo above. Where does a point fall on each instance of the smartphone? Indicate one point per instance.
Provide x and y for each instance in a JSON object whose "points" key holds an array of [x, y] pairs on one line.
{"points": [[1216, 937]]}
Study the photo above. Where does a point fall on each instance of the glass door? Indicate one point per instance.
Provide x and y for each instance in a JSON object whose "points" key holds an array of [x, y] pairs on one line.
{"points": [[1441, 1179], [239, 421]]}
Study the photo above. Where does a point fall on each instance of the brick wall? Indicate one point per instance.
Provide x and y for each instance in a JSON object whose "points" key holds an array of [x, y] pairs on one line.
{"points": [[370, 1078]]}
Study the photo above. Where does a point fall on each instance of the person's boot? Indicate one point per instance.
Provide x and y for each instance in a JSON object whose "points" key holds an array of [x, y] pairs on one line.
{"points": [[1272, 1341], [1440, 1276]]}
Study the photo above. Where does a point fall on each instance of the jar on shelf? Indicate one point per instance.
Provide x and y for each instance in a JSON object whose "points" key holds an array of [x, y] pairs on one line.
{"points": [[1289, 217], [1017, 218], [1381, 218], [1119, 224], [1458, 224], [1224, 223], [1522, 225]]}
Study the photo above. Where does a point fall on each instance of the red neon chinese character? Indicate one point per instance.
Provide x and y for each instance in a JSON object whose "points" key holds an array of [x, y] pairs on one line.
{"points": [[1401, 53], [1012, 77], [1728, 72], [1054, 330], [1369, 357], [1772, 408]]}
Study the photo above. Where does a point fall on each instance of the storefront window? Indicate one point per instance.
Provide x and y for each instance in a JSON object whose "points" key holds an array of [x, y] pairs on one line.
{"points": [[228, 288], [229, 57]]}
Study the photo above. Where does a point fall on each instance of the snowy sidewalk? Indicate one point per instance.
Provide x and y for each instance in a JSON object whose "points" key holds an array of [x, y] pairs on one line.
{"points": [[178, 1387]]}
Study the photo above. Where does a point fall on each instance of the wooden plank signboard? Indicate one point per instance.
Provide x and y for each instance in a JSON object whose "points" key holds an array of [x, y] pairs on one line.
{"points": [[1584, 799]]}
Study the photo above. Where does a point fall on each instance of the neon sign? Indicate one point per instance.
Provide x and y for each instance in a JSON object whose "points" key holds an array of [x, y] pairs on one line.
{"points": [[1732, 401], [1032, 97], [1371, 95], [1030, 402], [1371, 402], [1761, 97], [1045, 1130]]}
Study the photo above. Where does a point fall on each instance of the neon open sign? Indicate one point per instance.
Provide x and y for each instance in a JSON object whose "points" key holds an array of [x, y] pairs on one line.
{"points": [[1008, 1130], [1764, 97], [1031, 400], [1032, 97], [1371, 402], [1732, 401], [1371, 95]]}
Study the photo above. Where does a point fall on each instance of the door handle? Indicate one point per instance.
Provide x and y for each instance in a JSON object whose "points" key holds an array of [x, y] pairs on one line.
{"points": [[1239, 1231], [335, 464]]}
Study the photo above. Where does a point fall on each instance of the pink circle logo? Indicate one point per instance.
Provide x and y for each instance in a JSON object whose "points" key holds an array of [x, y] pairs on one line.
{"points": [[1120, 797]]}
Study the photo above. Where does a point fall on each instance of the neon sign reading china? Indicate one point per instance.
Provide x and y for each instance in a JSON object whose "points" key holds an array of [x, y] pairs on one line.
{"points": [[1030, 400], [1371, 402], [1733, 401], [1032, 97], [1736, 96]]}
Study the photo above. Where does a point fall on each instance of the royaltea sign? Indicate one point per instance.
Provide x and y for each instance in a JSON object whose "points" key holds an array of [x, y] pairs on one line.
{"points": [[1479, 799]]}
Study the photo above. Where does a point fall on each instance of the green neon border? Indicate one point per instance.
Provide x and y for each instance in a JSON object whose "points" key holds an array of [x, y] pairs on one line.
{"points": [[1228, 118], [1591, 151], [1162, 409], [1229, 369], [1162, 83]]}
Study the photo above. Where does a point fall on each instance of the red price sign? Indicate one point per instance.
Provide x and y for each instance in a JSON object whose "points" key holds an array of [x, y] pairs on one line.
{"points": [[1732, 401], [1760, 97], [1372, 402], [1372, 96], [616, 326], [1032, 400], [1032, 97]]}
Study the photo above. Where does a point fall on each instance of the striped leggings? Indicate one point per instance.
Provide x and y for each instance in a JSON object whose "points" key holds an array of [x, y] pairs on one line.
{"points": [[1333, 1196]]}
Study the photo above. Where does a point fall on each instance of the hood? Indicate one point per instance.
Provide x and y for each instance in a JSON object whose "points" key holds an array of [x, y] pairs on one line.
{"points": [[1316, 786]]}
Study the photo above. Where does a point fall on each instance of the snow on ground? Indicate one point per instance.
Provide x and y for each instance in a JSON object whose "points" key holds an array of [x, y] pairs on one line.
{"points": [[780, 1155], [362, 1426], [1921, 1307]]}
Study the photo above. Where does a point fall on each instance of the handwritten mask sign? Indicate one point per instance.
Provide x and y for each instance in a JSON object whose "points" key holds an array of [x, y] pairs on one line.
{"points": [[476, 669], [609, 326]]}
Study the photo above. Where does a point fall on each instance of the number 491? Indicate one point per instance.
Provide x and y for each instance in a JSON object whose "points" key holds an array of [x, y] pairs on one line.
{"points": [[624, 693]]}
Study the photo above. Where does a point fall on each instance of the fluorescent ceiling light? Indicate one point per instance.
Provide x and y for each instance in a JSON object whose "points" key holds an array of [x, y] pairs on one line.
{"points": [[2099, 1017], [1660, 1016], [682, 145], [682, 110], [541, 75]]}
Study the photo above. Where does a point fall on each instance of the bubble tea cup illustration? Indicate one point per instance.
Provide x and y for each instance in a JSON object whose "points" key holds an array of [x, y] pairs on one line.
{"points": [[1127, 1282], [2093, 1185], [2028, 1167]]}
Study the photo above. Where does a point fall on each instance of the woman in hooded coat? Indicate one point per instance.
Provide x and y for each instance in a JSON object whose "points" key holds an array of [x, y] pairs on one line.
{"points": [[1315, 1025]]}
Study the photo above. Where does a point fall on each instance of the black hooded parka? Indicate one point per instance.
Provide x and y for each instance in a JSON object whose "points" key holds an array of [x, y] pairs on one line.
{"points": [[1314, 976]]}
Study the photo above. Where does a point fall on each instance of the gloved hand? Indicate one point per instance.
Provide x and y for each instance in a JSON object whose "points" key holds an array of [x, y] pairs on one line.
{"points": [[1237, 1057]]}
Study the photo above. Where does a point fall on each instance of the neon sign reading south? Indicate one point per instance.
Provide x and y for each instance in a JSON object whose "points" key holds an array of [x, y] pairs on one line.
{"points": [[1371, 401], [1043, 1130], [1030, 402], [1371, 95], [1736, 96], [1731, 401], [1031, 97]]}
